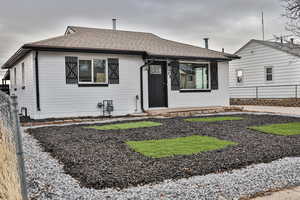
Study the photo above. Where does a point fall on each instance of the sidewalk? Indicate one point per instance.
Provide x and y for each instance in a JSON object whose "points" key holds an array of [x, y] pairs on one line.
{"points": [[273, 109], [287, 194]]}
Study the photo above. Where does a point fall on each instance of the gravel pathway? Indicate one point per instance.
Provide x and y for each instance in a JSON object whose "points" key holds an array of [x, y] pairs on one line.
{"points": [[47, 180]]}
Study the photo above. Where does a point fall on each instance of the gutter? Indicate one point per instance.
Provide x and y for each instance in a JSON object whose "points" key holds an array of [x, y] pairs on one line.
{"points": [[37, 85]]}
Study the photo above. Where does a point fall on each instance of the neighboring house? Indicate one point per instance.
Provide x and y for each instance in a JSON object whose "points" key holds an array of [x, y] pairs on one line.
{"points": [[69, 75], [266, 70]]}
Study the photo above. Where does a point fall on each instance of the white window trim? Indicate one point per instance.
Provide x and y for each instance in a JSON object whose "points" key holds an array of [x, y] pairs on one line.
{"points": [[236, 76], [194, 62], [265, 73], [92, 62]]}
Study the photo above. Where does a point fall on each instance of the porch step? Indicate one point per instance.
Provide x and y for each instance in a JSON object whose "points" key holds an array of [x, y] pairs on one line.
{"points": [[191, 111]]}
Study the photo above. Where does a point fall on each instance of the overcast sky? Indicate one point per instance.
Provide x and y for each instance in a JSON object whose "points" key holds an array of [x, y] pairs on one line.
{"points": [[229, 24]]}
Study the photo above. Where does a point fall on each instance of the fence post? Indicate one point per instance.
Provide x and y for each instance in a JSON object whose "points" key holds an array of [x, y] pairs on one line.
{"points": [[19, 148]]}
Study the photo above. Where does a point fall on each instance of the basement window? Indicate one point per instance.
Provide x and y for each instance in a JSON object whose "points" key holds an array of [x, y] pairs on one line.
{"points": [[93, 71], [194, 76]]}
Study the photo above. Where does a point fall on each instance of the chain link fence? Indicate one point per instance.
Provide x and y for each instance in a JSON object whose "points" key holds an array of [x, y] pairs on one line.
{"points": [[12, 173]]}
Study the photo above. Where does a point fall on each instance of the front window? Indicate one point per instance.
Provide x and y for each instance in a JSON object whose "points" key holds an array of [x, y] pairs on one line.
{"points": [[269, 73], [92, 71], [194, 76], [239, 76]]}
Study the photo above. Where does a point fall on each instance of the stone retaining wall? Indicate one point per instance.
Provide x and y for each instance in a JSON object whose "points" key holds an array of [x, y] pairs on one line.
{"points": [[287, 102], [10, 188]]}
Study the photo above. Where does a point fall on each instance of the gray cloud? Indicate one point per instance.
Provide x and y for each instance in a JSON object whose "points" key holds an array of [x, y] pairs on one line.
{"points": [[228, 24]]}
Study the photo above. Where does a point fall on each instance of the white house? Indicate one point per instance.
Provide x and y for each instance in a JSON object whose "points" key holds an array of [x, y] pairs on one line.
{"points": [[70, 75], [266, 70]]}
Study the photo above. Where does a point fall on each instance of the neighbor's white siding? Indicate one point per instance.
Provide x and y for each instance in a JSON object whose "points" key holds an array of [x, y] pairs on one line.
{"points": [[59, 99], [255, 57], [26, 96]]}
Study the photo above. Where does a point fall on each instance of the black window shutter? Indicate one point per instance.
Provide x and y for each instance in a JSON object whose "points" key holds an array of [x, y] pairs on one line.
{"points": [[113, 70], [214, 75], [71, 70], [175, 75]]}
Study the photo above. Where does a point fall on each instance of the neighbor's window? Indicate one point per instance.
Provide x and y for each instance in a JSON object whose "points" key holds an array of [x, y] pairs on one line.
{"points": [[269, 73], [92, 71], [239, 76], [194, 76], [23, 74]]}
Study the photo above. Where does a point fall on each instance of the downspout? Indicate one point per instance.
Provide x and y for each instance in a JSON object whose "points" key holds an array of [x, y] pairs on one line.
{"points": [[141, 84], [37, 81], [142, 87]]}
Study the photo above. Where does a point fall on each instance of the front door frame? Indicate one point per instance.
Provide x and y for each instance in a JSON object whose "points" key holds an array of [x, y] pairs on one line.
{"points": [[164, 67]]}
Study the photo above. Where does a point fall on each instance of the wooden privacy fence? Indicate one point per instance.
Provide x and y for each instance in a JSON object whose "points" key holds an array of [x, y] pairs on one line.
{"points": [[12, 173]]}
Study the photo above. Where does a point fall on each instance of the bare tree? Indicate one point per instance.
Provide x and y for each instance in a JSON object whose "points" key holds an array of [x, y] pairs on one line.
{"points": [[292, 12]]}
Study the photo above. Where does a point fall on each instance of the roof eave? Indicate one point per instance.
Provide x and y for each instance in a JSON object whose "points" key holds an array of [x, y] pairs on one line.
{"points": [[190, 57], [19, 54]]}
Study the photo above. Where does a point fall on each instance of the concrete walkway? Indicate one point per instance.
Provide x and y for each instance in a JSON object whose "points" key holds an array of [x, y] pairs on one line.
{"points": [[273, 109], [287, 194]]}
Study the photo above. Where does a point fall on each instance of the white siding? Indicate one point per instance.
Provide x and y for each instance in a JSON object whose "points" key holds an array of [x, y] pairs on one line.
{"points": [[177, 99], [59, 99], [255, 57], [26, 96]]}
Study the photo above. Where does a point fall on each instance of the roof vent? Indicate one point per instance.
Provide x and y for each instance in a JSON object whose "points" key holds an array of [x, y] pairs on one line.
{"points": [[114, 24]]}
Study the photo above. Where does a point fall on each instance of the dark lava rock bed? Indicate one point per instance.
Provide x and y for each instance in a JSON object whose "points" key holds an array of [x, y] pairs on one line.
{"points": [[101, 159]]}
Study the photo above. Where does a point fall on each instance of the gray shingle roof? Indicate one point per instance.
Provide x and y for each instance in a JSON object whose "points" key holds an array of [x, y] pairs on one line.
{"points": [[82, 38], [293, 49], [107, 39]]}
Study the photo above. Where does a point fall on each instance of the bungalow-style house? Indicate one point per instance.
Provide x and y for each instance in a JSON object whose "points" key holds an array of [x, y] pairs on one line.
{"points": [[71, 75], [267, 70]]}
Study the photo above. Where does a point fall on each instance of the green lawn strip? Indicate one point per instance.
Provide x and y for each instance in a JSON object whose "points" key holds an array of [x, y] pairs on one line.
{"points": [[129, 125], [279, 129], [178, 146], [213, 119]]}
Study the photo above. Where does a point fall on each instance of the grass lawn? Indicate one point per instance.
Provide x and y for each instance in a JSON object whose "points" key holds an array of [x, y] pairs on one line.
{"points": [[279, 129], [129, 125], [213, 119], [178, 146]]}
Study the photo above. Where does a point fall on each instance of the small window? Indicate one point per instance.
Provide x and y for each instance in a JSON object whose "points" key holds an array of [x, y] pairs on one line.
{"points": [[92, 71], [23, 74], [194, 76], [269, 73], [239, 76], [155, 69]]}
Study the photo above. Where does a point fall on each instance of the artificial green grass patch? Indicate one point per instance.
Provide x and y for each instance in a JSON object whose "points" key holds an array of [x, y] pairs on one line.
{"points": [[213, 119], [279, 129], [129, 125], [178, 146]]}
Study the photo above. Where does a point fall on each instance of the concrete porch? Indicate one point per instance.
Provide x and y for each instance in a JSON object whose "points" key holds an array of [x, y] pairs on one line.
{"points": [[190, 111]]}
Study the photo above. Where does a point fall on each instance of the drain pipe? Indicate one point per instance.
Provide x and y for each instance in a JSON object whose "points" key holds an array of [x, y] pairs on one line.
{"points": [[142, 85]]}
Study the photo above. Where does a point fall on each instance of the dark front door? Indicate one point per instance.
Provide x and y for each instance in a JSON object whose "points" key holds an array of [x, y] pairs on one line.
{"points": [[157, 84]]}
